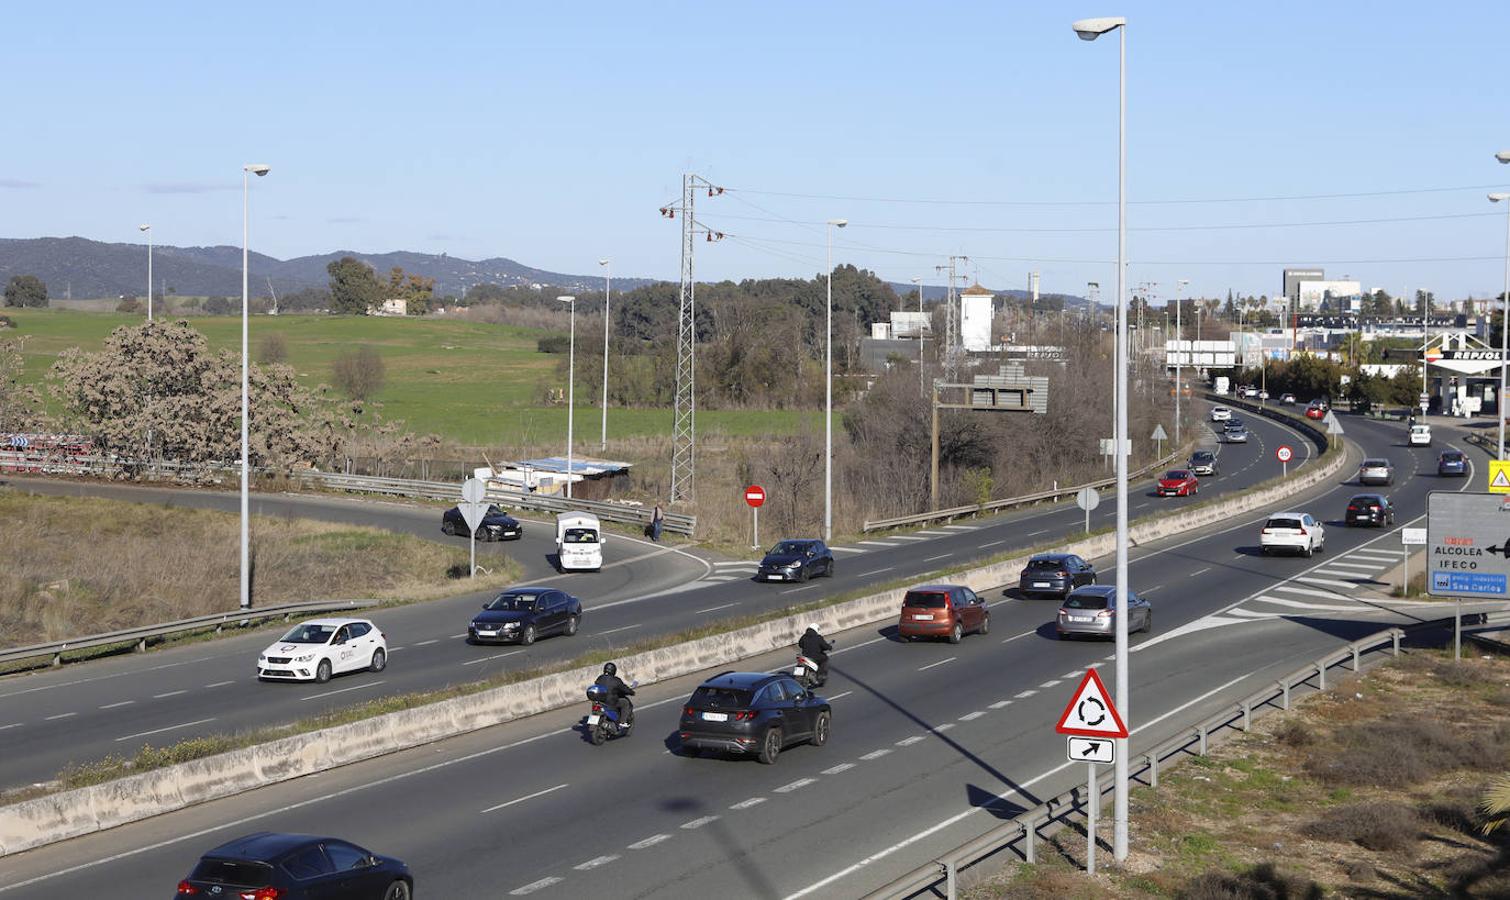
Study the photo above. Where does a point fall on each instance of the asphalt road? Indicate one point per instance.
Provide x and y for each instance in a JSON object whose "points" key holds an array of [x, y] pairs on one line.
{"points": [[931, 743], [49, 720]]}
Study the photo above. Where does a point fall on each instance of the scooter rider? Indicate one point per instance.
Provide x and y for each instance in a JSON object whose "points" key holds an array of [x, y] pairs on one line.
{"points": [[617, 693], [815, 648]]}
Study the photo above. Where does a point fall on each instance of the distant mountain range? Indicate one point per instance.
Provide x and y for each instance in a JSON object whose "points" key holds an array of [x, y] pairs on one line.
{"points": [[83, 268]]}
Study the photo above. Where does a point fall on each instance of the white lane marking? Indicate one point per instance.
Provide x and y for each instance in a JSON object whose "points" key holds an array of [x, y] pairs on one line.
{"points": [[67, 715], [992, 544], [846, 549], [944, 727], [1309, 592], [698, 823], [78, 681], [427, 643], [960, 527], [1069, 675], [595, 862], [649, 842], [746, 804], [114, 705], [1016, 636], [524, 798], [939, 663], [1049, 684], [738, 563], [878, 543], [534, 886], [360, 687], [1381, 554], [909, 741], [1369, 567], [1199, 572], [1038, 532], [797, 589], [841, 767], [212, 685], [840, 696], [940, 556], [620, 628], [799, 783], [876, 572], [907, 537], [1333, 570], [1001, 704], [1308, 579], [168, 694], [160, 731], [716, 579], [875, 754], [395, 649], [1297, 604], [970, 717], [931, 532], [455, 636], [1024, 695], [715, 608], [1152, 589], [11, 725]]}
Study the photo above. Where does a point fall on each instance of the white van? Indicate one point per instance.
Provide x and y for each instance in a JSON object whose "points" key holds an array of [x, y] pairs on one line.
{"points": [[1420, 435], [579, 542]]}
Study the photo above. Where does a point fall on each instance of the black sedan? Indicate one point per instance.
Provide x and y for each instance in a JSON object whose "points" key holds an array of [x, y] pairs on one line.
{"points": [[296, 867], [497, 525], [519, 615], [1055, 574], [1370, 509], [796, 561], [753, 713]]}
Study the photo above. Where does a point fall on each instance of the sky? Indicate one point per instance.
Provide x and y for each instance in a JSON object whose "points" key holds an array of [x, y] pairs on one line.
{"points": [[553, 133]]}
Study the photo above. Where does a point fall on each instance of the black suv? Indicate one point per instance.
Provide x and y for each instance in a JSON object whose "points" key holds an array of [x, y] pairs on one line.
{"points": [[1055, 574], [796, 561], [497, 525], [1370, 509], [753, 713], [519, 615], [296, 867]]}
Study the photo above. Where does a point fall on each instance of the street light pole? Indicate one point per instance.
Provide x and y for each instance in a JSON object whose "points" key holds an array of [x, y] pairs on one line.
{"points": [[1179, 384], [1089, 30], [922, 381], [148, 230], [828, 390], [571, 386], [246, 572], [1499, 403], [607, 292]]}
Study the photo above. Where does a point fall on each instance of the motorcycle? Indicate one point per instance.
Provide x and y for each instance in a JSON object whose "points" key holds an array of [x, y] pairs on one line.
{"points": [[603, 722], [806, 672]]}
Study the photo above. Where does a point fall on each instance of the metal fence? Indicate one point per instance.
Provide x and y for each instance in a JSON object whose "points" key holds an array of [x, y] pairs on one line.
{"points": [[1020, 834], [625, 513], [212, 622]]}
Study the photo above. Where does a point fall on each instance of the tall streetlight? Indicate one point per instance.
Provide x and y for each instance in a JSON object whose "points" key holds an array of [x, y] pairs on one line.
{"points": [[1179, 385], [922, 382], [828, 390], [259, 170], [571, 382], [1089, 30], [148, 230], [1504, 316], [607, 291]]}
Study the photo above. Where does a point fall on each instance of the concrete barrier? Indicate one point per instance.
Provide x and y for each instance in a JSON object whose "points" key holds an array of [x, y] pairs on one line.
{"points": [[67, 814]]}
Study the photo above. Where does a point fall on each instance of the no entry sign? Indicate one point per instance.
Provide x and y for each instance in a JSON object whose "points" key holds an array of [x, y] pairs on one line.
{"points": [[755, 495]]}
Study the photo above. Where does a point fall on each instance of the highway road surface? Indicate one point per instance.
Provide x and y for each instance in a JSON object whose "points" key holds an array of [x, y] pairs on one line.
{"points": [[84, 712]]}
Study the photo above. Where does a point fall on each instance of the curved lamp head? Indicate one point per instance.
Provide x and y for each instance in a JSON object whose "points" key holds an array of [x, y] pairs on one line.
{"points": [[257, 168], [144, 228], [1090, 29], [604, 262], [1503, 156], [567, 299], [839, 222], [1495, 198]]}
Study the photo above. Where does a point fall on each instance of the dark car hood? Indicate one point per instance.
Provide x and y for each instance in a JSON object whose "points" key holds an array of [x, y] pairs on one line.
{"points": [[782, 559], [501, 521], [500, 616]]}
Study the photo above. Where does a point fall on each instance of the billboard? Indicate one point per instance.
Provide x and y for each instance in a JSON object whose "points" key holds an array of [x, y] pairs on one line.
{"points": [[1293, 278]]}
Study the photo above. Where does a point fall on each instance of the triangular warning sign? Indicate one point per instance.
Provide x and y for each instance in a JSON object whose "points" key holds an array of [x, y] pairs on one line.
{"points": [[1500, 480], [1091, 712]]}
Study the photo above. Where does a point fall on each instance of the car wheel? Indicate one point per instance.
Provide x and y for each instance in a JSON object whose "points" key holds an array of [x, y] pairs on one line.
{"points": [[322, 672], [829, 572], [770, 746], [379, 661], [1309, 551], [527, 637], [448, 528], [956, 634], [820, 730], [985, 625], [802, 574], [1148, 623], [572, 624], [471, 641], [399, 890]]}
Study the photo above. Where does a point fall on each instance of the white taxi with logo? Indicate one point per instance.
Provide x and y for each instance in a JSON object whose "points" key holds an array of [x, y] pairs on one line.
{"points": [[316, 649]]}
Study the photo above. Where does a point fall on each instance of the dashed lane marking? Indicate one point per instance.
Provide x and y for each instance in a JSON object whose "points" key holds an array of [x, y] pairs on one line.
{"points": [[875, 754], [524, 798], [360, 687], [595, 862], [1001, 704], [698, 823], [534, 886], [799, 783], [649, 842], [841, 767], [909, 741], [940, 556], [168, 694], [483, 659], [992, 544], [141, 734], [1048, 684], [1024, 695], [67, 715], [121, 703], [939, 663], [970, 717], [876, 572], [213, 685], [746, 804], [846, 549], [715, 608]]}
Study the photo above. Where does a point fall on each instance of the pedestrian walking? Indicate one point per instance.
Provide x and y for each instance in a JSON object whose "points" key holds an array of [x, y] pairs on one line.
{"points": [[657, 521]]}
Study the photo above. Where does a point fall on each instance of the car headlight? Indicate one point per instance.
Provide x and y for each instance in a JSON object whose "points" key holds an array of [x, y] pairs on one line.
{"points": [[262, 657], [305, 658], [510, 625]]}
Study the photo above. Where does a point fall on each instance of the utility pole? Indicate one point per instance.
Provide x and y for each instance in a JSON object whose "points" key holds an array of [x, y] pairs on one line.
{"points": [[684, 424], [951, 319], [1179, 384]]}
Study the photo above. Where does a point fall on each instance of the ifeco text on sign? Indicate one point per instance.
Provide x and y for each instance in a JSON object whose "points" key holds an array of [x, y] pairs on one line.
{"points": [[1468, 545]]}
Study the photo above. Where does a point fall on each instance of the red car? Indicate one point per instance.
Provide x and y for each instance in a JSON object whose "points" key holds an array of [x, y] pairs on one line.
{"points": [[1315, 412], [1178, 483]]}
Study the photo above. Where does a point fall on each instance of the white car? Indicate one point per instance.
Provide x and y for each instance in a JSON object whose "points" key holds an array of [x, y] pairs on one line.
{"points": [[1420, 435], [1292, 532], [1221, 414], [316, 649]]}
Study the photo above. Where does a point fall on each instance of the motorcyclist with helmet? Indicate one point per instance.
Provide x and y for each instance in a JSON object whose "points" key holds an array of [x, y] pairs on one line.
{"points": [[617, 694], [814, 647]]}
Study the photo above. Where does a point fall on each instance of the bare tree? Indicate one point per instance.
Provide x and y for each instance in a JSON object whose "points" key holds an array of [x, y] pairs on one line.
{"points": [[273, 348], [360, 373]]}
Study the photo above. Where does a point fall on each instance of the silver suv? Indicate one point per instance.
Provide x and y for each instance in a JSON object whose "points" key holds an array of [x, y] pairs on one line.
{"points": [[1376, 471]]}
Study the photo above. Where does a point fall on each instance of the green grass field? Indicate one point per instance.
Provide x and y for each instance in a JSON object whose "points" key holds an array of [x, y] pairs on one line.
{"points": [[471, 383]]}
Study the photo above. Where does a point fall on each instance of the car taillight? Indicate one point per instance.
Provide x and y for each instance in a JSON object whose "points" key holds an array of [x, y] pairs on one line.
{"points": [[266, 893], [1265, 531], [744, 715], [1303, 531], [1063, 574], [185, 889], [688, 711], [1352, 509], [1105, 613]]}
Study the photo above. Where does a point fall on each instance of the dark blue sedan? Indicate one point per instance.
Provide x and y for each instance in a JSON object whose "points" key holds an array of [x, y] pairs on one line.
{"points": [[1452, 463], [796, 561], [296, 867]]}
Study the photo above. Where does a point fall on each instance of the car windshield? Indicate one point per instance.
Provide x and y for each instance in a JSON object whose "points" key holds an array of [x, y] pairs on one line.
{"points": [[1046, 563], [581, 536], [720, 698], [790, 548], [1176, 475], [926, 599], [1452, 457], [1278, 522], [1375, 463], [1085, 601], [239, 873], [1364, 500], [1203, 456], [309, 633], [513, 603]]}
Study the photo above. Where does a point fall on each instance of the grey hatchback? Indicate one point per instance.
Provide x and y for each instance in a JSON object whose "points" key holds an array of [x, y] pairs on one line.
{"points": [[1054, 574], [1091, 610]]}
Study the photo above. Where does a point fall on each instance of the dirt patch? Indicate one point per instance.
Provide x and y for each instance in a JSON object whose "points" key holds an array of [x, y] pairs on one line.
{"points": [[1368, 791]]}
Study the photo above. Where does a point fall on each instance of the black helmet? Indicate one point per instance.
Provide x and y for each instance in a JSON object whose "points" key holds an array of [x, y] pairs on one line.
{"points": [[610, 669]]}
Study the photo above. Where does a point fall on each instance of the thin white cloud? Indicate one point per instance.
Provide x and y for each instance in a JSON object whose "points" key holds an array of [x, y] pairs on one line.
{"points": [[187, 187], [18, 184]]}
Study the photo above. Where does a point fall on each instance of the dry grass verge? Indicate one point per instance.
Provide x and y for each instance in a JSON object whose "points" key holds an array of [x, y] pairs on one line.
{"points": [[70, 567], [1368, 791]]}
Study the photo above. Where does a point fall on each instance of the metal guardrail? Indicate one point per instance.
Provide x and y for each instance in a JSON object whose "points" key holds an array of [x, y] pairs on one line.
{"points": [[140, 636], [1021, 833], [622, 513], [1053, 494]]}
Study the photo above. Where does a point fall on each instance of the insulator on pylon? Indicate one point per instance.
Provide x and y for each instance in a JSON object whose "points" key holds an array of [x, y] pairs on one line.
{"points": [[710, 237]]}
